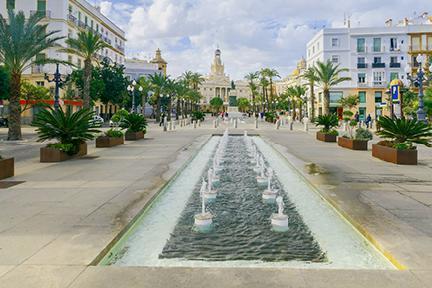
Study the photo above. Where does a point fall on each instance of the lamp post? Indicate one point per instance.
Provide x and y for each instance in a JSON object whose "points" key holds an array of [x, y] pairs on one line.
{"points": [[131, 89], [418, 80], [57, 79]]}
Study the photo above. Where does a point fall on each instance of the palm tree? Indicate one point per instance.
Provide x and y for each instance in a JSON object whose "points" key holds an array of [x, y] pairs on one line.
{"points": [[295, 94], [270, 74], [327, 76], [158, 83], [311, 77], [86, 46], [21, 41], [264, 84], [252, 77]]}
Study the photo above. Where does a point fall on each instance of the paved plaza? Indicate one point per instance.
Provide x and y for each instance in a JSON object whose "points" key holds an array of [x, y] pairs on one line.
{"points": [[56, 225]]}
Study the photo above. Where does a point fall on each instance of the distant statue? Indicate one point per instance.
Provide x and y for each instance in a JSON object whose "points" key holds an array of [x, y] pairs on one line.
{"points": [[233, 85]]}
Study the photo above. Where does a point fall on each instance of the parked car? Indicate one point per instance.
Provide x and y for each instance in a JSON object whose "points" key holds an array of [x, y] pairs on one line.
{"points": [[97, 120], [3, 122]]}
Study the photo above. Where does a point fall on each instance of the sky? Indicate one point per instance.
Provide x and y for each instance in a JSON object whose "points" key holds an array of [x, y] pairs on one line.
{"points": [[252, 34]]}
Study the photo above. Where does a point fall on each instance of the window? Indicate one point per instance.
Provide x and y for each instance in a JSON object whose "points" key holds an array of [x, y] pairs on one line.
{"points": [[362, 96], [41, 5], [85, 20], [378, 77], [335, 59], [91, 24], [361, 45], [394, 75], [429, 42], [394, 59], [97, 27], [415, 43], [393, 44], [79, 15], [335, 97], [40, 83], [361, 60], [70, 9], [377, 59], [335, 42], [378, 97], [10, 4], [361, 77], [376, 44]]}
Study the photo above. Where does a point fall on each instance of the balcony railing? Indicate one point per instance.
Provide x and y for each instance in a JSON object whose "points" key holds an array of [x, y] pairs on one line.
{"points": [[362, 65], [379, 83], [72, 18], [378, 65], [42, 13], [395, 65]]}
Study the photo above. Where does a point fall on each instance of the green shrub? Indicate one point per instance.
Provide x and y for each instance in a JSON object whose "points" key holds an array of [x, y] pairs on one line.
{"points": [[403, 133], [69, 149], [198, 115], [332, 132], [67, 127], [134, 122], [119, 115], [114, 133], [363, 134], [270, 116], [328, 122]]}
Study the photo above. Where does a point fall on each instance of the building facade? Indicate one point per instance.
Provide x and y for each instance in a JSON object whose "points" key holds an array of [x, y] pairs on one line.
{"points": [[136, 68], [374, 56], [218, 84], [68, 17]]}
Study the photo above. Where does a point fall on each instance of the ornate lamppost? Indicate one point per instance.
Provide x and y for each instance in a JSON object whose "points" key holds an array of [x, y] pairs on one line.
{"points": [[131, 89], [418, 81], [57, 79]]}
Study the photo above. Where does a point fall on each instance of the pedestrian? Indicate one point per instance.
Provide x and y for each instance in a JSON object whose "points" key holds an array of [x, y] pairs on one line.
{"points": [[357, 117], [162, 118], [368, 121]]}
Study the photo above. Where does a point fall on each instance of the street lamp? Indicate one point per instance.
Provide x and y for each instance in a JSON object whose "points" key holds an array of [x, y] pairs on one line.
{"points": [[57, 79], [131, 89], [418, 80]]}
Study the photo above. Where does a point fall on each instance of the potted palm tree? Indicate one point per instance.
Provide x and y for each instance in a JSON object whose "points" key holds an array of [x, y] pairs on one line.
{"points": [[135, 125], [71, 130], [327, 133], [110, 138], [7, 167], [401, 135]]}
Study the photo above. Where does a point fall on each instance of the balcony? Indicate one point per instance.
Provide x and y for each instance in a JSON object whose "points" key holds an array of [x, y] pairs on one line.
{"points": [[379, 84], [395, 65], [378, 65], [362, 65], [41, 13], [119, 47], [37, 69], [72, 19]]}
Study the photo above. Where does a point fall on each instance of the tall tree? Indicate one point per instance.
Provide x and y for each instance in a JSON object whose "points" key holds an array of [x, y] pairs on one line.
{"points": [[21, 40], [295, 94], [158, 83], [310, 76], [4, 83], [252, 78], [264, 83], [270, 74], [327, 76], [86, 46]]}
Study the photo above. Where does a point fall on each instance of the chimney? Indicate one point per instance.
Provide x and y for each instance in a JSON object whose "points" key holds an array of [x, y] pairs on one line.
{"points": [[389, 23]]}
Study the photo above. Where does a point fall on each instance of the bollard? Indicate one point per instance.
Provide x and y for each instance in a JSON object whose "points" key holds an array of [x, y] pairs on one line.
{"points": [[174, 124], [194, 124], [235, 123], [277, 124], [165, 124], [170, 125], [199, 123], [306, 124], [256, 123], [291, 124]]}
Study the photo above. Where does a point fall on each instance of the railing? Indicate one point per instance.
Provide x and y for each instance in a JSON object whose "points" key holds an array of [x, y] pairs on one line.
{"points": [[119, 47], [395, 65], [362, 65], [72, 18], [379, 84], [378, 65], [42, 13]]}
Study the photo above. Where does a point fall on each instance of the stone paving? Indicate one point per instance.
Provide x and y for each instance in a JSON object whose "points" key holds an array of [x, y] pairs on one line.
{"points": [[54, 226]]}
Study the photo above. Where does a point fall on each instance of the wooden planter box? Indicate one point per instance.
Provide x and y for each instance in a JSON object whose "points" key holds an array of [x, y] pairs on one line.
{"points": [[48, 154], [105, 141], [389, 154], [325, 137], [7, 168], [353, 144], [132, 136]]}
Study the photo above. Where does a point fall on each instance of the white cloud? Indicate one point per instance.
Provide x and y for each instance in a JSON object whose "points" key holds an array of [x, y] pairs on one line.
{"points": [[251, 33]]}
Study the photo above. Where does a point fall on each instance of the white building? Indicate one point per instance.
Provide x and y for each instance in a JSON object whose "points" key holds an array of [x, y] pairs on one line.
{"points": [[374, 57], [69, 17], [136, 68], [218, 84]]}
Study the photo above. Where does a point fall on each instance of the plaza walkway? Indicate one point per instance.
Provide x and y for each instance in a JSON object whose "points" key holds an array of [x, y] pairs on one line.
{"points": [[55, 225]]}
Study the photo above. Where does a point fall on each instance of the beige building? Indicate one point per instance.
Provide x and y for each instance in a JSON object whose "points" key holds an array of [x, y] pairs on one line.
{"points": [[218, 84]]}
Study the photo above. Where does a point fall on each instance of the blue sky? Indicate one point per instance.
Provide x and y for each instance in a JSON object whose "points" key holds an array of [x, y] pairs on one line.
{"points": [[251, 33]]}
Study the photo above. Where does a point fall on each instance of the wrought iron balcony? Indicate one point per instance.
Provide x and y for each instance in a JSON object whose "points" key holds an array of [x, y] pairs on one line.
{"points": [[378, 65], [395, 65], [362, 65]]}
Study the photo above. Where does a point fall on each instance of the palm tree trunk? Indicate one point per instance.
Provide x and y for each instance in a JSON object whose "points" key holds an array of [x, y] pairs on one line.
{"points": [[87, 79], [14, 132], [169, 108], [312, 99], [158, 108], [326, 102], [178, 109]]}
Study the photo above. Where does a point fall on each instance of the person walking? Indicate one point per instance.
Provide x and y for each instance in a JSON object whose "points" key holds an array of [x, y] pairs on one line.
{"points": [[368, 121]]}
